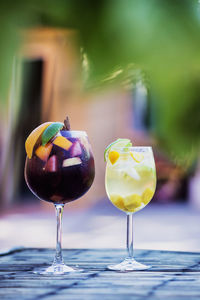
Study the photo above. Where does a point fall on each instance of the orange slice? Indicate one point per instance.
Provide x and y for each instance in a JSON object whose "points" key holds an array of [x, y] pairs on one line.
{"points": [[33, 137], [62, 142], [113, 156], [43, 151]]}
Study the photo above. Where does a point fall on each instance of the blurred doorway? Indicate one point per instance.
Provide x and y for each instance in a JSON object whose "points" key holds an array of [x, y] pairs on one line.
{"points": [[29, 117]]}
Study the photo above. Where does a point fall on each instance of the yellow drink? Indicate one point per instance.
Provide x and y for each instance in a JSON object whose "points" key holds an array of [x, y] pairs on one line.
{"points": [[130, 178]]}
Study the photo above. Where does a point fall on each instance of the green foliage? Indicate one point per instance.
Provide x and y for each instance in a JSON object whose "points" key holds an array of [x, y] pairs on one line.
{"points": [[121, 38]]}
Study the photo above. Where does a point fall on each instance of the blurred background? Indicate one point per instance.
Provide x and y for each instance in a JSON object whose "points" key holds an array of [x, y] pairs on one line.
{"points": [[118, 69]]}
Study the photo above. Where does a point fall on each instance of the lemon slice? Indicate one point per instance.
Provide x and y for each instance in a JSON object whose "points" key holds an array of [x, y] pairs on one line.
{"points": [[138, 157], [118, 143], [33, 137]]}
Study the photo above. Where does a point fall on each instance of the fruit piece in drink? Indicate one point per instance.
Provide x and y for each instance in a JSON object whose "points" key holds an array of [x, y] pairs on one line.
{"points": [[118, 201], [132, 201], [147, 196], [43, 152]]}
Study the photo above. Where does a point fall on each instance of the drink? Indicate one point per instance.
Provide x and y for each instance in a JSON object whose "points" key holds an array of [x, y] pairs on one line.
{"points": [[66, 174], [130, 182], [59, 168]]}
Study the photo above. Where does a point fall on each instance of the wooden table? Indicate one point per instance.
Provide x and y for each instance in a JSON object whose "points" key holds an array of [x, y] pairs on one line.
{"points": [[174, 275]]}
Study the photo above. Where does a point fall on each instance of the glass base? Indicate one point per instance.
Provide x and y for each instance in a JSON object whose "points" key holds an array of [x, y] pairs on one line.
{"points": [[128, 265], [56, 269]]}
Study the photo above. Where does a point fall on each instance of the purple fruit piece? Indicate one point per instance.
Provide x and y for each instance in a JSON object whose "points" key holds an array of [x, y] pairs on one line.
{"points": [[85, 144], [52, 164], [75, 149]]}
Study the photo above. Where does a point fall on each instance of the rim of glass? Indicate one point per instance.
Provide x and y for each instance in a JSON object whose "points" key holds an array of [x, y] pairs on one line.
{"points": [[76, 131], [135, 148]]}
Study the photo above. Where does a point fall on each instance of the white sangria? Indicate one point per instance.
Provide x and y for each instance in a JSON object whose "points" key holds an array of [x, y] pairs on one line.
{"points": [[130, 182], [130, 178]]}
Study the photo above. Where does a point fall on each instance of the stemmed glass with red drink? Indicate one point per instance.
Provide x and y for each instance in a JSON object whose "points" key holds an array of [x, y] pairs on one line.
{"points": [[59, 169]]}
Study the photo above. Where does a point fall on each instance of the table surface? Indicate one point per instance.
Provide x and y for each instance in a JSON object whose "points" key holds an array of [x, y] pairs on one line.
{"points": [[174, 275]]}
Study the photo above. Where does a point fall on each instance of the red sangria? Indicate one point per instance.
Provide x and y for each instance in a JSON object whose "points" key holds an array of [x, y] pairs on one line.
{"points": [[59, 168]]}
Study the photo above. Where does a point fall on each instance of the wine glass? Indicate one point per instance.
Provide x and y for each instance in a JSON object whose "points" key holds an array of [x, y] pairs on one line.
{"points": [[59, 172], [130, 185]]}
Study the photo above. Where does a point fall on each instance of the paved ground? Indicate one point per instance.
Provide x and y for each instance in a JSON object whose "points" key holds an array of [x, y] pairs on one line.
{"points": [[173, 276], [167, 227]]}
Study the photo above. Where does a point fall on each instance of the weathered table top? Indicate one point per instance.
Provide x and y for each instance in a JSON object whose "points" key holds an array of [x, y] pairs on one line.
{"points": [[174, 275]]}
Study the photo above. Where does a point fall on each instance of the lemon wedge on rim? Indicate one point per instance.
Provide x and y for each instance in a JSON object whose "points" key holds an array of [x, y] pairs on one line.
{"points": [[118, 143]]}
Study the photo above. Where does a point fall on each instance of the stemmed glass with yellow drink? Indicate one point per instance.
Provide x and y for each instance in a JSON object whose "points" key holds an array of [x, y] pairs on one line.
{"points": [[130, 185]]}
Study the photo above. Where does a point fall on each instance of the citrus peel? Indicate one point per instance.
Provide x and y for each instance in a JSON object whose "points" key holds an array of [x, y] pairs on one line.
{"points": [[33, 137], [119, 143]]}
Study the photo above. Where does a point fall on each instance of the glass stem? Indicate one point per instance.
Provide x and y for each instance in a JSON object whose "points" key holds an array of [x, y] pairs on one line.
{"points": [[58, 256], [129, 241]]}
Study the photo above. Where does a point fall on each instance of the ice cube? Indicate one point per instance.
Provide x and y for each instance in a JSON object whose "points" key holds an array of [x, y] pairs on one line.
{"points": [[52, 164], [71, 162], [75, 149], [145, 170], [127, 168], [132, 173]]}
